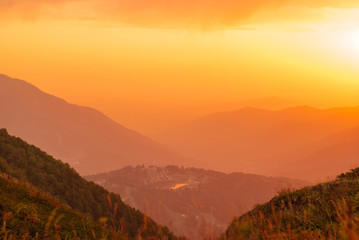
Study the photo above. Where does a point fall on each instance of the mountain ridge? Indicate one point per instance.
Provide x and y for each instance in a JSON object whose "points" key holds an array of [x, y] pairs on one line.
{"points": [[78, 135], [260, 141]]}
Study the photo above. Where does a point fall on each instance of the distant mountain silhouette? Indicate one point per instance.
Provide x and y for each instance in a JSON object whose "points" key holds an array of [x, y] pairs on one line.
{"points": [[334, 155], [268, 103], [262, 141], [193, 202], [85, 138]]}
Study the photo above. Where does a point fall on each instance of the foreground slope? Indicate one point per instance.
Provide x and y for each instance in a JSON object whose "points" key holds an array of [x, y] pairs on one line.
{"points": [[325, 211], [193, 202], [78, 135], [27, 212], [29, 164]]}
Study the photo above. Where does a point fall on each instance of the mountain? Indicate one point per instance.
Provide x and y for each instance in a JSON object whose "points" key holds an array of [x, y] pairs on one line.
{"points": [[260, 141], [81, 136], [29, 164], [196, 203], [268, 103], [333, 155], [325, 211]]}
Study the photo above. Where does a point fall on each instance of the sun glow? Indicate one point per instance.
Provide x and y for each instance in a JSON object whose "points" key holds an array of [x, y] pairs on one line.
{"points": [[350, 45], [354, 41], [135, 68]]}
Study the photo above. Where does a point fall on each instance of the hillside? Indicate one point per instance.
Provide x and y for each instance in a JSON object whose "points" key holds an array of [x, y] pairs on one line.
{"points": [[196, 203], [325, 211], [29, 164], [78, 135], [266, 142], [26, 212]]}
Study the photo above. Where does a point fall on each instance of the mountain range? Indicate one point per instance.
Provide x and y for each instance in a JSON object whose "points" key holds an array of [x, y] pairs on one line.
{"points": [[81, 136], [298, 142], [294, 142]]}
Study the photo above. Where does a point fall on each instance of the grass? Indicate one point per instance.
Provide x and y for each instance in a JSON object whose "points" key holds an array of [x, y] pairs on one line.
{"points": [[325, 211], [29, 213]]}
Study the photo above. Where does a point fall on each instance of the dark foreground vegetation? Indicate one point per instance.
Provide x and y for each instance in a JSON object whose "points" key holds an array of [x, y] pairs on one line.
{"points": [[326, 211], [27, 213], [26, 165]]}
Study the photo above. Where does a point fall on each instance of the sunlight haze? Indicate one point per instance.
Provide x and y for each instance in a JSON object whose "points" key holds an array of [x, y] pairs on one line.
{"points": [[151, 77]]}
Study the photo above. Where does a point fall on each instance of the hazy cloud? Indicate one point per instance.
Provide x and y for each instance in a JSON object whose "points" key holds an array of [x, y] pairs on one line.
{"points": [[154, 13]]}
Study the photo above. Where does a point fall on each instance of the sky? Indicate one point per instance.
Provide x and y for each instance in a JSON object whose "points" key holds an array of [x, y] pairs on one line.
{"points": [[153, 64]]}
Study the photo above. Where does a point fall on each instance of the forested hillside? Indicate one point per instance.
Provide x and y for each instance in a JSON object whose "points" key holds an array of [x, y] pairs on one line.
{"points": [[26, 212], [29, 164]]}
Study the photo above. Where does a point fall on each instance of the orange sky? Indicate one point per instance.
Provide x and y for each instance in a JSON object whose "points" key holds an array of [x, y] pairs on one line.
{"points": [[150, 64]]}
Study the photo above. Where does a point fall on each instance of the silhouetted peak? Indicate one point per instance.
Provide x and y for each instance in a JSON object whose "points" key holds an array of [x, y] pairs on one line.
{"points": [[253, 109], [3, 76], [304, 108]]}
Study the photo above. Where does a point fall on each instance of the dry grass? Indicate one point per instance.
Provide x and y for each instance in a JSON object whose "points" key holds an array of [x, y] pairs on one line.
{"points": [[320, 217]]}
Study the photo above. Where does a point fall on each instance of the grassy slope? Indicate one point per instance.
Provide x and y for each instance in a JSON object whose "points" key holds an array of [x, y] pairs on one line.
{"points": [[325, 211], [29, 164], [27, 212]]}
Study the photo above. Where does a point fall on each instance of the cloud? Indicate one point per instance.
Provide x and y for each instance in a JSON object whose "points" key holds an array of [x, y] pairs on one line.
{"points": [[166, 13]]}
